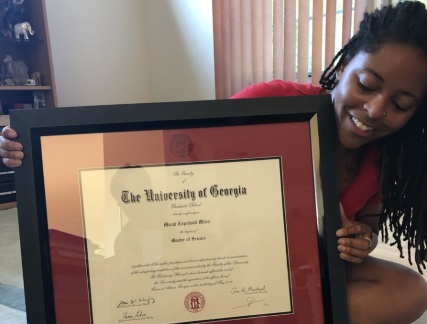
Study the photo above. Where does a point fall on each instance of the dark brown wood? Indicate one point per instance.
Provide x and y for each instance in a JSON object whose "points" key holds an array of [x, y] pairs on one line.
{"points": [[35, 52]]}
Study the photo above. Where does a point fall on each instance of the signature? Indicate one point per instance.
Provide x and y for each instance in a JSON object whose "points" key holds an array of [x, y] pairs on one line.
{"points": [[134, 316], [250, 290], [249, 302], [137, 302]]}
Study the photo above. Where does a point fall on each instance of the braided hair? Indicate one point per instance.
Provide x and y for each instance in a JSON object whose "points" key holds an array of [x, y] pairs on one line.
{"points": [[403, 162]]}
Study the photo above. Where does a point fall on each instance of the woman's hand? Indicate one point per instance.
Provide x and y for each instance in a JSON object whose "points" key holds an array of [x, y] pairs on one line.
{"points": [[355, 239], [10, 151]]}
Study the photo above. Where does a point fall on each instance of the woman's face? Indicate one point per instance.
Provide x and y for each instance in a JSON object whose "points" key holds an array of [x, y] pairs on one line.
{"points": [[378, 93]]}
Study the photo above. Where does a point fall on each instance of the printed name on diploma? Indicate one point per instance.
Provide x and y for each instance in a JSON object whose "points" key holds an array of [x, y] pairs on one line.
{"points": [[188, 223]]}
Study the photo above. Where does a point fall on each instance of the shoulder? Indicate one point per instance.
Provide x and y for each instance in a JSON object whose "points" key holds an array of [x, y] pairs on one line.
{"points": [[277, 88]]}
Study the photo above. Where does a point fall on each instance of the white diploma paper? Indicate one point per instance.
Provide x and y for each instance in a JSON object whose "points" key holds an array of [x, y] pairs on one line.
{"points": [[186, 242]]}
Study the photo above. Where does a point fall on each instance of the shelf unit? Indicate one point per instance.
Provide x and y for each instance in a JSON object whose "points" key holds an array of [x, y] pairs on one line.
{"points": [[36, 54]]}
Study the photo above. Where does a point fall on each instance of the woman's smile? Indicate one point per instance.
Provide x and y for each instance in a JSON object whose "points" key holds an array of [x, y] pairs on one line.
{"points": [[358, 129], [361, 125]]}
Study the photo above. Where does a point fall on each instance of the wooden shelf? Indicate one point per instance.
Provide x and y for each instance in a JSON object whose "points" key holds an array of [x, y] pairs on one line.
{"points": [[24, 88], [8, 205], [35, 53], [23, 42]]}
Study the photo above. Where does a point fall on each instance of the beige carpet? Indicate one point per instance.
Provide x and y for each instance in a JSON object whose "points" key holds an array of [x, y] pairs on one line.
{"points": [[11, 283]]}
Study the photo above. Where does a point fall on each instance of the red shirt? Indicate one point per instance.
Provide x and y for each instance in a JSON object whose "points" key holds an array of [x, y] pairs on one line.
{"points": [[277, 88], [364, 188]]}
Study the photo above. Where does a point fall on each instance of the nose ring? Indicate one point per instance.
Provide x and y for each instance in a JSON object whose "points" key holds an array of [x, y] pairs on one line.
{"points": [[367, 113]]}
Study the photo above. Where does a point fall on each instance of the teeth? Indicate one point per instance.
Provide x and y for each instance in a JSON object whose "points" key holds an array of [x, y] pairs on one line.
{"points": [[361, 126]]}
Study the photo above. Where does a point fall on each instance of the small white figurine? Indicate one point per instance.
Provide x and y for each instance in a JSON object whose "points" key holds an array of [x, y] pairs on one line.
{"points": [[30, 82], [23, 28]]}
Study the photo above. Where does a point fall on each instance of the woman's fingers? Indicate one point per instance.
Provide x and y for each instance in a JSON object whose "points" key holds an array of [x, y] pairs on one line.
{"points": [[10, 151], [353, 249]]}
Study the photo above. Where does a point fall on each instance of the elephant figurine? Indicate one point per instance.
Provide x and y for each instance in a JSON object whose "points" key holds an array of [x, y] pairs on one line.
{"points": [[23, 28]]}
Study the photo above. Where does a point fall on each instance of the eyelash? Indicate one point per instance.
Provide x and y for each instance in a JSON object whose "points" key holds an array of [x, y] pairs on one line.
{"points": [[399, 108], [363, 87], [367, 89]]}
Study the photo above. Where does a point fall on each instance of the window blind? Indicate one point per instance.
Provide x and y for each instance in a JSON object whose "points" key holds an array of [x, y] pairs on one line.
{"points": [[261, 40]]}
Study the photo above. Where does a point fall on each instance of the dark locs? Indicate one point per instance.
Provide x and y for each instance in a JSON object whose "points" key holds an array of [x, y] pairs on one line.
{"points": [[403, 162]]}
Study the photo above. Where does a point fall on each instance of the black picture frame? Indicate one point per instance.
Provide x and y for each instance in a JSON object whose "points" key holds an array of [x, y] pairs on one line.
{"points": [[33, 124]]}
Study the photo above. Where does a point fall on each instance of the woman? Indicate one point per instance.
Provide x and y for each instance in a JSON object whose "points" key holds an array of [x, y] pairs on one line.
{"points": [[378, 86]]}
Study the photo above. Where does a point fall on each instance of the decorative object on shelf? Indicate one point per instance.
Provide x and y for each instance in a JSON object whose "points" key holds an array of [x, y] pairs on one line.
{"points": [[8, 82], [36, 76], [5, 32], [14, 13], [30, 82], [24, 29], [17, 71], [39, 100], [29, 61]]}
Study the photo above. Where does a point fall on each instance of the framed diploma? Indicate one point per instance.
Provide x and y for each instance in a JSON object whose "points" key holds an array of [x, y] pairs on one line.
{"points": [[186, 212]]}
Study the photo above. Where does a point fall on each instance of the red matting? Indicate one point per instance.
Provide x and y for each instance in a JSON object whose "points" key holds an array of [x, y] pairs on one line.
{"points": [[291, 141]]}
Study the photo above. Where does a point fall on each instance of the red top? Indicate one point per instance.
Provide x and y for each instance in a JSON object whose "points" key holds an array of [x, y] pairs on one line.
{"points": [[277, 88], [364, 188]]}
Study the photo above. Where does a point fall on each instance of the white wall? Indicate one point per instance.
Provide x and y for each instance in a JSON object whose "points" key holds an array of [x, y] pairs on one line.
{"points": [[128, 51], [181, 60]]}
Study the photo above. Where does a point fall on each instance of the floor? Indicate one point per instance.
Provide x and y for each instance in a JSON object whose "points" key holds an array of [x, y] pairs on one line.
{"points": [[11, 270], [10, 262]]}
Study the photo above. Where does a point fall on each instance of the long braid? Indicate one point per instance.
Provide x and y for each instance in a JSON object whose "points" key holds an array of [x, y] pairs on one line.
{"points": [[328, 78], [404, 187], [403, 162]]}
